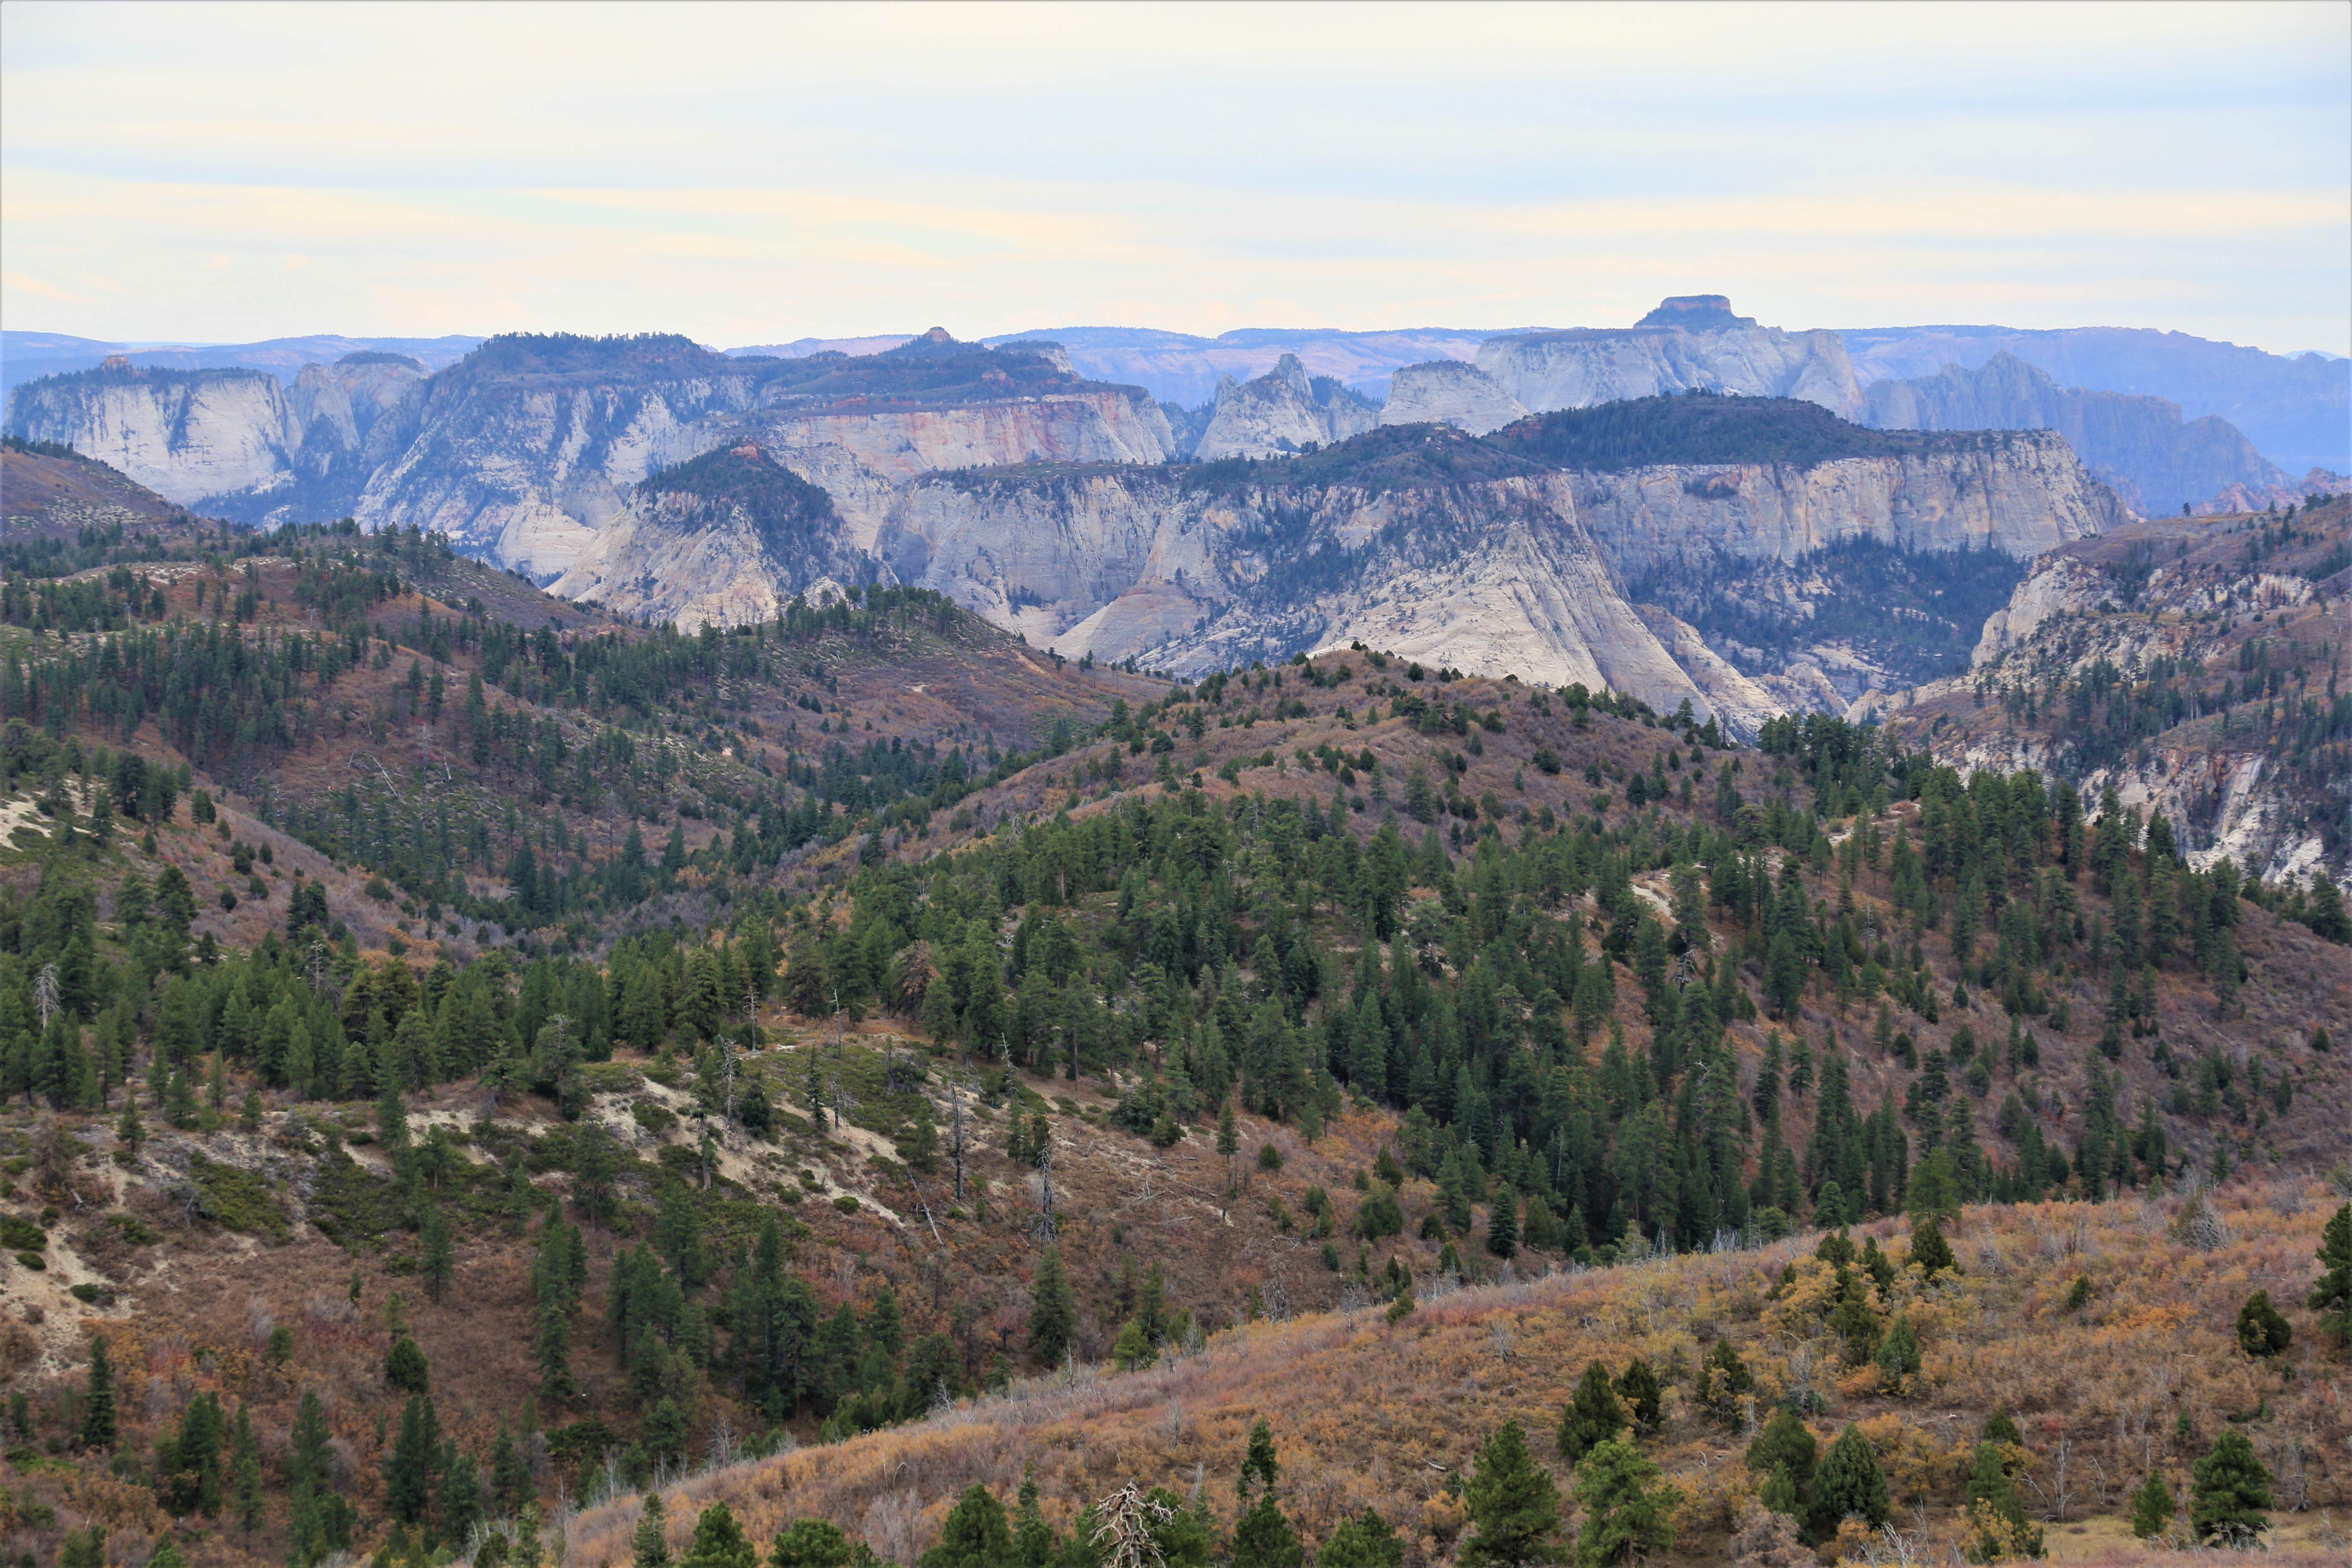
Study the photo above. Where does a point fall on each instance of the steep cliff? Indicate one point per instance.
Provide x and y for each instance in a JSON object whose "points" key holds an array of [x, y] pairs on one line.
{"points": [[523, 450], [1686, 342], [1800, 581], [2186, 664], [1449, 392], [192, 435], [1193, 571], [728, 538], [1285, 410], [2139, 445]]}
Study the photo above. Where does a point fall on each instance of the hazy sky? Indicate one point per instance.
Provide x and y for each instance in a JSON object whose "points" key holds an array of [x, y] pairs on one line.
{"points": [[752, 175]]}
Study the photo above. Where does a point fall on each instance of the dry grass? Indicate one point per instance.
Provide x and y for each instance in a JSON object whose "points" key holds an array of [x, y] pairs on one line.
{"points": [[1369, 1414]]}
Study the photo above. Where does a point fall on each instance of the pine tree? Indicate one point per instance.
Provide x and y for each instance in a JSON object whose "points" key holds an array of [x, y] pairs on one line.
{"points": [[2331, 1298], [99, 1422], [244, 1472], [651, 1542], [436, 1257], [1502, 1223], [976, 1534], [1849, 1483], [553, 1349], [1724, 1381], [2152, 1508], [408, 1472], [1593, 1416], [1930, 1251], [1784, 1453], [1512, 1504], [1053, 1312], [1638, 1386], [2230, 1490], [2262, 1332], [405, 1368], [461, 1493], [1363, 1542], [510, 1482], [1996, 1507], [1628, 1512], [719, 1542], [1262, 1537], [1898, 1352]]}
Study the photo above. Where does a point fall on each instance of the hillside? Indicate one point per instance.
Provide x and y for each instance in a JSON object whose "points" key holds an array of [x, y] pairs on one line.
{"points": [[677, 1052], [2191, 666]]}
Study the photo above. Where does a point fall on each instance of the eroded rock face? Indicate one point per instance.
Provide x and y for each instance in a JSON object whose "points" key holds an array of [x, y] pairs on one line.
{"points": [[2139, 446], [1283, 411], [728, 539], [1694, 342], [524, 450], [186, 435], [2020, 493], [1449, 392]]}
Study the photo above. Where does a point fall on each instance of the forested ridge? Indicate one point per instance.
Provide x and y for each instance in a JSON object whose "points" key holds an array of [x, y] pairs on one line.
{"points": [[951, 1072]]}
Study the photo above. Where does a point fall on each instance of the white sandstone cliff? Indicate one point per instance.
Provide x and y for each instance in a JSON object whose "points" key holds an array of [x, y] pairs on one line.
{"points": [[1283, 411], [1449, 392], [1692, 342]]}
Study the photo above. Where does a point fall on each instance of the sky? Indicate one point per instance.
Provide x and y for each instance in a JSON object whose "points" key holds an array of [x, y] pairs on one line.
{"points": [[747, 175]]}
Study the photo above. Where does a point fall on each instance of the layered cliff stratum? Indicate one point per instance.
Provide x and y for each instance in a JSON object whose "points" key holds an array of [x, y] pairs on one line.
{"points": [[523, 450], [1639, 529], [2193, 666], [1693, 342], [1741, 553], [1284, 411]]}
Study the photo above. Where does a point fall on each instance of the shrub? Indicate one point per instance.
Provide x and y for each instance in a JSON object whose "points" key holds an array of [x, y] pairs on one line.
{"points": [[2262, 1331]]}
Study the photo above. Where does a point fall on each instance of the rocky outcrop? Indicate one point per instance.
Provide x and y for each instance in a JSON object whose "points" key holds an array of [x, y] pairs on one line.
{"points": [[524, 450], [188, 435], [1686, 342], [1449, 392], [2020, 493], [1281, 412], [1494, 578], [728, 539], [2139, 445]]}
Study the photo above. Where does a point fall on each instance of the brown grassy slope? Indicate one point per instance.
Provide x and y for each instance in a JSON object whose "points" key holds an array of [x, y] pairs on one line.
{"points": [[54, 497], [1370, 1415]]}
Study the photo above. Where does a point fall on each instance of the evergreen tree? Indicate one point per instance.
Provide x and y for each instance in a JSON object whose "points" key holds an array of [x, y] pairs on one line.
{"points": [[1996, 1507], [1898, 1352], [1785, 1452], [1053, 1310], [461, 1493], [553, 1349], [99, 1422], [1502, 1223], [1724, 1381], [1262, 1537], [2230, 1490], [2152, 1508], [244, 1472], [510, 1482], [719, 1542], [1363, 1542], [408, 1472], [976, 1534], [1930, 1251], [1638, 1386], [1513, 1505], [1033, 1545], [405, 1368], [817, 1543], [1848, 1483], [1628, 1511], [1593, 1416], [651, 1542], [2331, 1298], [436, 1257], [2262, 1332]]}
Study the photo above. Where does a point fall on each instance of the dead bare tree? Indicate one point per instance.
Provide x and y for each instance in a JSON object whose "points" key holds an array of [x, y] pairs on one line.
{"points": [[1127, 1536]]}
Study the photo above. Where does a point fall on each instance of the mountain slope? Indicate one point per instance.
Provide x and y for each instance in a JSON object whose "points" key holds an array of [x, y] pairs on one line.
{"points": [[2136, 444]]}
